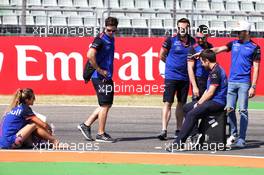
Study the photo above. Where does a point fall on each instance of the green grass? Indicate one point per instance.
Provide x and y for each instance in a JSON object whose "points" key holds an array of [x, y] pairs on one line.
{"points": [[71, 168], [256, 105]]}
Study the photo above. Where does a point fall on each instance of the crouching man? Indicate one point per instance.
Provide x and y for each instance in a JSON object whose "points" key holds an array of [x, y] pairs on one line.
{"points": [[213, 99]]}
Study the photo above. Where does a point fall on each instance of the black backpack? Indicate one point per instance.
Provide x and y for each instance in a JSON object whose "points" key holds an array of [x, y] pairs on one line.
{"points": [[88, 72]]}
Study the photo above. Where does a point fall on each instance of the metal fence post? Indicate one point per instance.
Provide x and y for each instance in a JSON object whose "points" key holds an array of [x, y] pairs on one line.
{"points": [[23, 17], [174, 17], [149, 27]]}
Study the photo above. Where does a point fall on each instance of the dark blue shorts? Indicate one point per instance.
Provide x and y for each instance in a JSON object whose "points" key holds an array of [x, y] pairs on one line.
{"points": [[6, 143], [104, 91], [178, 87]]}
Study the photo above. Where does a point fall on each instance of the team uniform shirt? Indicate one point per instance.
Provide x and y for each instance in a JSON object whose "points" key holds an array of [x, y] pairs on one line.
{"points": [[105, 47], [12, 122], [176, 61], [198, 68], [243, 55], [217, 77]]}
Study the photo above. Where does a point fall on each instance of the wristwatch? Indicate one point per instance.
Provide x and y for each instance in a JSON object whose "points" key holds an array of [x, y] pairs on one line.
{"points": [[253, 86]]}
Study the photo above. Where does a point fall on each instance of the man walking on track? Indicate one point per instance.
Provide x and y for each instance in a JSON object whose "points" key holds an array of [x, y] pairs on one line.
{"points": [[101, 56], [244, 54], [174, 53]]}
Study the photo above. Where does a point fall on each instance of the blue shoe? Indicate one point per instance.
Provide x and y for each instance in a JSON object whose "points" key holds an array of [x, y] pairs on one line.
{"points": [[240, 143]]}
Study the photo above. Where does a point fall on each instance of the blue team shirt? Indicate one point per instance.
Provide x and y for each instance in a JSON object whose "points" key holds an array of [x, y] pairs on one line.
{"points": [[105, 47], [198, 68], [12, 122], [242, 56], [217, 77], [176, 61]]}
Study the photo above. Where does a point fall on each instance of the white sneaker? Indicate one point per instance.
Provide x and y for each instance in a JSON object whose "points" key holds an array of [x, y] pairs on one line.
{"points": [[231, 140]]}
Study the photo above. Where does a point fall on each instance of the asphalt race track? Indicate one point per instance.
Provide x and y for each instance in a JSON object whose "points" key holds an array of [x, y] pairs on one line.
{"points": [[135, 129]]}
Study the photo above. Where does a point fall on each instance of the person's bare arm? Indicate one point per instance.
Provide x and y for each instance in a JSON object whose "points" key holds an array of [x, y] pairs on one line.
{"points": [[252, 90], [219, 49], [40, 123], [91, 54], [208, 94], [192, 77], [215, 49], [163, 54], [215, 81]]}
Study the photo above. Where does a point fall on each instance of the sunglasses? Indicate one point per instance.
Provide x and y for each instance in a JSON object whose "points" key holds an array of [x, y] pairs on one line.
{"points": [[202, 38], [109, 30], [182, 29]]}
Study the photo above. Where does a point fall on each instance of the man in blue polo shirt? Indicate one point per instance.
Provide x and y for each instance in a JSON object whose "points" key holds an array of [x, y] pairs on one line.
{"points": [[101, 56], [213, 99], [197, 74], [244, 54], [174, 53]]}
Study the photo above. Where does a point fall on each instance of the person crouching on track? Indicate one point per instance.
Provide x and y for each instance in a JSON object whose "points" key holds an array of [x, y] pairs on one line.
{"points": [[213, 99], [19, 124], [101, 56]]}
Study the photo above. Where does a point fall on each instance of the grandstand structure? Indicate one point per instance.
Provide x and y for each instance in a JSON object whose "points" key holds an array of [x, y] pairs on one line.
{"points": [[136, 17]]}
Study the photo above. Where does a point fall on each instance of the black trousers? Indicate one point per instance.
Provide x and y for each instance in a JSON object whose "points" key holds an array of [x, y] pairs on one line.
{"points": [[192, 115], [201, 83]]}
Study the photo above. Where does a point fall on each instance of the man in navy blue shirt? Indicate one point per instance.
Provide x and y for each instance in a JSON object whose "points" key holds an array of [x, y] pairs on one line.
{"points": [[197, 74], [213, 99], [174, 53], [244, 54], [101, 56]]}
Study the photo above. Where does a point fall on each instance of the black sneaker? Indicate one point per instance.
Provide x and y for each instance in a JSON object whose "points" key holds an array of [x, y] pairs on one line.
{"points": [[163, 135], [176, 134], [86, 131], [104, 138]]}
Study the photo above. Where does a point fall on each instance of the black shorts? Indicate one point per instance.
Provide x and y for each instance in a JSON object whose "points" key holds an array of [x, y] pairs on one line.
{"points": [[104, 91], [179, 87]]}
